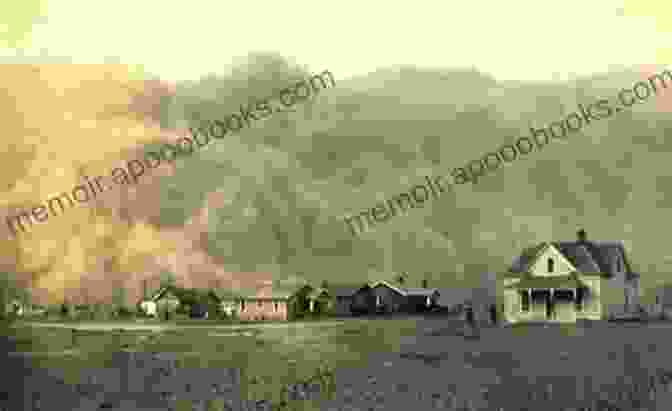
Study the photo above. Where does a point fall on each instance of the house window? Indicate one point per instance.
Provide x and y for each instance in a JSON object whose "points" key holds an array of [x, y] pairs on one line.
{"points": [[379, 300], [550, 265], [578, 302], [525, 302]]}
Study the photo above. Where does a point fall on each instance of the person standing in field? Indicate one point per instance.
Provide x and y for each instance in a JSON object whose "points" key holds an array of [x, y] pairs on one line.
{"points": [[493, 314], [470, 318], [469, 315]]}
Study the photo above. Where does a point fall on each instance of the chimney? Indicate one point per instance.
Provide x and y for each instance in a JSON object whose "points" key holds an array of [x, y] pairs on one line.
{"points": [[582, 236]]}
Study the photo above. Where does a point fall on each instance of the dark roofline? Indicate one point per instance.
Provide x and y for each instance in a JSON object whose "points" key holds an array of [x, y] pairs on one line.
{"points": [[594, 249], [389, 285]]}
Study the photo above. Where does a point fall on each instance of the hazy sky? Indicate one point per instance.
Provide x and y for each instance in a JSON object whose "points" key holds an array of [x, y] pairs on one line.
{"points": [[515, 39]]}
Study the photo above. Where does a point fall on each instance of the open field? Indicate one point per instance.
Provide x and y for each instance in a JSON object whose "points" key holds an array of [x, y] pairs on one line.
{"points": [[156, 325], [400, 363]]}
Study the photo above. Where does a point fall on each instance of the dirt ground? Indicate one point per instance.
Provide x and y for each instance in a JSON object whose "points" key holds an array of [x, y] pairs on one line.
{"points": [[412, 363]]}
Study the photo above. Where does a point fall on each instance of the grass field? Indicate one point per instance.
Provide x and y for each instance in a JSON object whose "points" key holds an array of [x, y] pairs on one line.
{"points": [[514, 365], [274, 354]]}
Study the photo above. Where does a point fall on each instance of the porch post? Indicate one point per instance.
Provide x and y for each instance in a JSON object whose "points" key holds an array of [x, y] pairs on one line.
{"points": [[312, 305], [529, 299]]}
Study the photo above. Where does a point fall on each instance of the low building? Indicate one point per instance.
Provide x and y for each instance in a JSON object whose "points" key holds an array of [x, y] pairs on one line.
{"points": [[386, 297], [273, 302]]}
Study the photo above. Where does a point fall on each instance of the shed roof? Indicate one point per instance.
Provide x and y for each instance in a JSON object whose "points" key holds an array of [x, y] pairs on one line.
{"points": [[421, 291]]}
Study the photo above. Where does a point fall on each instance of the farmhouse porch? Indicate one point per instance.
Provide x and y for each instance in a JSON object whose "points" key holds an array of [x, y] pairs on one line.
{"points": [[551, 299]]}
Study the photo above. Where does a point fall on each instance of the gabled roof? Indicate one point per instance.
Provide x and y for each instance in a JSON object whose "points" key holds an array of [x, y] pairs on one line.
{"points": [[402, 291], [579, 256], [604, 254], [585, 256], [388, 285]]}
